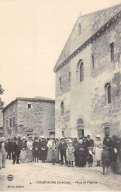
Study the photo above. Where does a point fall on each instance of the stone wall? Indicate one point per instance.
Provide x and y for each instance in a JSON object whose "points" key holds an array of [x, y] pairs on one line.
{"points": [[104, 71], [38, 120], [86, 100], [9, 130]]}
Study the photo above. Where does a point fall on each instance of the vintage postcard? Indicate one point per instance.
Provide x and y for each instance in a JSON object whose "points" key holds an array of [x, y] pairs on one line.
{"points": [[60, 95]]}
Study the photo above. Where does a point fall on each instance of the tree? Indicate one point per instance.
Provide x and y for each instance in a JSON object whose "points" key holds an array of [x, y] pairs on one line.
{"points": [[1, 92]]}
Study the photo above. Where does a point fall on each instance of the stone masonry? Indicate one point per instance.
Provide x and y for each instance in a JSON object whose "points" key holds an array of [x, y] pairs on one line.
{"points": [[30, 116], [85, 107]]}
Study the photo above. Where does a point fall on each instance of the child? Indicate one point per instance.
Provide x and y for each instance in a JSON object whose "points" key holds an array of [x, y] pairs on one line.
{"points": [[70, 154], [53, 149], [106, 159], [90, 156]]}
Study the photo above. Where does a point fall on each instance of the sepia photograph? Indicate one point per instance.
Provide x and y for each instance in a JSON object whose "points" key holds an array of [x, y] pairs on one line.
{"points": [[60, 96]]}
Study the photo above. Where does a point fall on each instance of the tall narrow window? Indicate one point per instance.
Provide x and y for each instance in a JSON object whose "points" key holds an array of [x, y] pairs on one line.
{"points": [[62, 108], [80, 128], [112, 51], [10, 122], [60, 83], [108, 92], [13, 121], [93, 61], [81, 72]]}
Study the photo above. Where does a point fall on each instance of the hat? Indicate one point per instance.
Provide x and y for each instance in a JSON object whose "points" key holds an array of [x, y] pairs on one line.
{"points": [[69, 141], [23, 137], [15, 139], [88, 135], [98, 136], [42, 137], [2, 139], [62, 138]]}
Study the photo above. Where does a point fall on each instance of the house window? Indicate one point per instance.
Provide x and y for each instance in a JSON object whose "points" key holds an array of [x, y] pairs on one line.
{"points": [[112, 51], [107, 131], [62, 108], [93, 61], [29, 105], [108, 92], [13, 121], [10, 122]]}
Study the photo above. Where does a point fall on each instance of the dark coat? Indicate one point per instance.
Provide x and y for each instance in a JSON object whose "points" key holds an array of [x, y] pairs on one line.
{"points": [[36, 146], [43, 150], [89, 143], [81, 155], [63, 146], [16, 148]]}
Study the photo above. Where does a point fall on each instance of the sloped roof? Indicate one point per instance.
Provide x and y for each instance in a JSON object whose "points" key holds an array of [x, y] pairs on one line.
{"points": [[91, 23], [36, 99]]}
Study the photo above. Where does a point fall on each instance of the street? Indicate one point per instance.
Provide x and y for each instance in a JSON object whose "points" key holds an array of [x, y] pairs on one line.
{"points": [[47, 177]]}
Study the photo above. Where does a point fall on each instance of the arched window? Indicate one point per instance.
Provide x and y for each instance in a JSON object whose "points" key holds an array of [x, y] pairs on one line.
{"points": [[62, 108], [80, 128], [80, 70], [108, 92], [107, 131]]}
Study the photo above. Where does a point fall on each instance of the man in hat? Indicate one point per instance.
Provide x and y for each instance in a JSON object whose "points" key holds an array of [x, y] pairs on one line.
{"points": [[62, 149], [36, 147], [43, 149], [16, 151]]}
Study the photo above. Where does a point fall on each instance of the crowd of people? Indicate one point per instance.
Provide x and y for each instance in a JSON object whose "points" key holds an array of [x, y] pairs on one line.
{"points": [[71, 151]]}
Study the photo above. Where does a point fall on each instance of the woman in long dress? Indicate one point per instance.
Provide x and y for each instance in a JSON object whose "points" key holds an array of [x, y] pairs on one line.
{"points": [[70, 154], [57, 151], [49, 145], [98, 150], [81, 153], [23, 148], [29, 150]]}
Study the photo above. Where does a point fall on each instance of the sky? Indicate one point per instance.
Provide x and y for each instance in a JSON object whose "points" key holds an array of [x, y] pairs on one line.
{"points": [[32, 36]]}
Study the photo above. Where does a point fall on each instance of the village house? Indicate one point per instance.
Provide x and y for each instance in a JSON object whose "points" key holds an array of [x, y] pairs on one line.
{"points": [[88, 77], [29, 116]]}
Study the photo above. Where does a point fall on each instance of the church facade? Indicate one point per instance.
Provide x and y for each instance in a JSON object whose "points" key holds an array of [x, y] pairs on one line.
{"points": [[88, 77]]}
